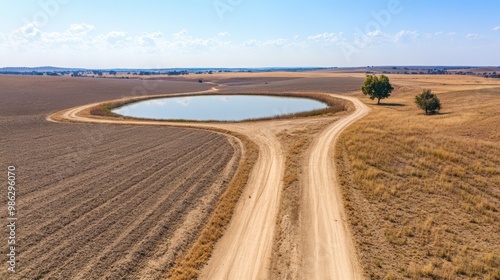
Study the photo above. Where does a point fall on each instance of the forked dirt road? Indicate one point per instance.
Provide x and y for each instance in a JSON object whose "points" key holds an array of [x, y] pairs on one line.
{"points": [[244, 251]]}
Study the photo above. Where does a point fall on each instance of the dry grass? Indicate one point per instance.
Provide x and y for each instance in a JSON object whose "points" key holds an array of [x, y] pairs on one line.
{"points": [[188, 266], [422, 192], [104, 110]]}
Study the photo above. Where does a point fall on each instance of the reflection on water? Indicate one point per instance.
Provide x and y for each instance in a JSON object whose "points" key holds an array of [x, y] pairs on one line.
{"points": [[219, 107], [184, 101]]}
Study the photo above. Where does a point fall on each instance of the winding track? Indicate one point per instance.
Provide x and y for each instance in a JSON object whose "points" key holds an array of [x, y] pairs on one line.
{"points": [[244, 251]]}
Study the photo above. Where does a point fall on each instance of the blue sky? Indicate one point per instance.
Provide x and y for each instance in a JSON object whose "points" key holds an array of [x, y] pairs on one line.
{"points": [[248, 33]]}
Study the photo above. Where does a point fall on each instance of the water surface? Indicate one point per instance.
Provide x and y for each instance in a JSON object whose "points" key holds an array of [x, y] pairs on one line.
{"points": [[218, 107]]}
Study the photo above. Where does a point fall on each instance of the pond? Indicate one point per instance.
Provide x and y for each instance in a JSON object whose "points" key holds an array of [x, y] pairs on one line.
{"points": [[218, 107]]}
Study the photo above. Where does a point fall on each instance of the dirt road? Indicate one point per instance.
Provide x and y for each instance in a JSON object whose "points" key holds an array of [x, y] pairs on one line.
{"points": [[328, 251], [244, 251]]}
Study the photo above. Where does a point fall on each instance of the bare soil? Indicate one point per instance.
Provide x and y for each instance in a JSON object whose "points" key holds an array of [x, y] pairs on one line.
{"points": [[105, 201]]}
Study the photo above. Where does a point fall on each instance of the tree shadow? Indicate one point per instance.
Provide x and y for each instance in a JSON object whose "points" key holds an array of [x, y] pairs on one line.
{"points": [[441, 114], [392, 104], [436, 114]]}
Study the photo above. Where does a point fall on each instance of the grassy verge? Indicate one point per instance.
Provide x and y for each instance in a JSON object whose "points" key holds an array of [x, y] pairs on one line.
{"points": [[104, 110], [188, 266], [422, 192]]}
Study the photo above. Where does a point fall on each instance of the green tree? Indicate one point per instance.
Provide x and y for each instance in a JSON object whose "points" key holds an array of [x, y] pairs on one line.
{"points": [[376, 87], [428, 101]]}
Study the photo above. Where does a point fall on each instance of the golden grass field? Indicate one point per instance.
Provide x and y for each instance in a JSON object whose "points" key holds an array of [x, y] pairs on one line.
{"points": [[423, 192]]}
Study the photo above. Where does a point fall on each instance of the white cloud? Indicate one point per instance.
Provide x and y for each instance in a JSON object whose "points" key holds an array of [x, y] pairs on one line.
{"points": [[472, 36], [223, 34], [405, 36], [274, 43], [183, 40], [29, 31], [81, 28], [325, 37], [496, 28], [183, 34], [75, 33], [150, 39], [114, 45], [30, 36], [113, 38], [251, 43], [452, 33], [297, 44], [369, 39], [376, 34]]}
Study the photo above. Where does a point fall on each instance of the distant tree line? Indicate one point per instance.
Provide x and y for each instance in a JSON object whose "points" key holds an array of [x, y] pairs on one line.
{"points": [[170, 73], [35, 73]]}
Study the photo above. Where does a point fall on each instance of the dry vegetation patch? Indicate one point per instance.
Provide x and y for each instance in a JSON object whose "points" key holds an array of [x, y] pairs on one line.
{"points": [[422, 192]]}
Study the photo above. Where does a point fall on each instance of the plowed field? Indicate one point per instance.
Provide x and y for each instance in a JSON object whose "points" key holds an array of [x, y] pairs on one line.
{"points": [[97, 201]]}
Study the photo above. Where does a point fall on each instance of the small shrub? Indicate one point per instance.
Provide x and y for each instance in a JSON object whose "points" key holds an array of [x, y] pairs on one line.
{"points": [[428, 102]]}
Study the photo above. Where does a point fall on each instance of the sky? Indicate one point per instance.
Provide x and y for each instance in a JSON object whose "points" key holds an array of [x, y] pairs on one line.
{"points": [[248, 33]]}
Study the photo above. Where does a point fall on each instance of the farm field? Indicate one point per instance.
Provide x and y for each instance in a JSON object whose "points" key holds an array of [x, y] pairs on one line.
{"points": [[98, 201]]}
